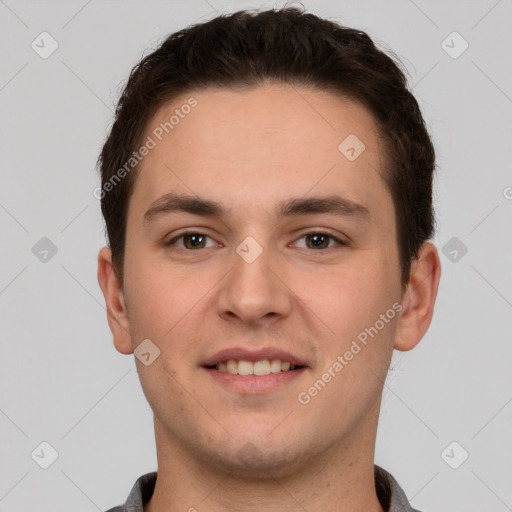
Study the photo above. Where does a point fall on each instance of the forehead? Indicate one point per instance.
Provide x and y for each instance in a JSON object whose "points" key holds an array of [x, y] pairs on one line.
{"points": [[225, 119], [251, 146]]}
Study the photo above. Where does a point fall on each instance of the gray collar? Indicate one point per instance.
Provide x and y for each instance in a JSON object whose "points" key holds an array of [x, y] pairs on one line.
{"points": [[390, 494]]}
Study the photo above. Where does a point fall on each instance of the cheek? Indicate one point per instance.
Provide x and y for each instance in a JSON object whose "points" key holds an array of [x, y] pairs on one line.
{"points": [[353, 309], [349, 297], [167, 302], [156, 297]]}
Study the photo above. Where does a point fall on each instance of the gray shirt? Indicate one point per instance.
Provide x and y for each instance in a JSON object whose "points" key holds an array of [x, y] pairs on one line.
{"points": [[390, 494]]}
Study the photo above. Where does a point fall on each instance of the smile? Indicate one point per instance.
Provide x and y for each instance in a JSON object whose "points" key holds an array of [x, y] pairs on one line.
{"points": [[259, 368]]}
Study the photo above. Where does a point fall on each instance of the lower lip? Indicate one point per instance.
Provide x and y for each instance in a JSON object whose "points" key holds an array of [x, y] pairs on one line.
{"points": [[254, 384]]}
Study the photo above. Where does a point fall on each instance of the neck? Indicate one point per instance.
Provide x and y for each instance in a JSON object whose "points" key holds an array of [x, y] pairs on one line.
{"points": [[339, 479]]}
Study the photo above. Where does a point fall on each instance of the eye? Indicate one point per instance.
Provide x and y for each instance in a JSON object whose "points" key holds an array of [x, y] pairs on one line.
{"points": [[320, 240], [196, 240], [192, 240]]}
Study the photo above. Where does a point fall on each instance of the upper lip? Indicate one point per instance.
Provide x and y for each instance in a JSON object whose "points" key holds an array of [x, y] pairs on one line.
{"points": [[252, 355]]}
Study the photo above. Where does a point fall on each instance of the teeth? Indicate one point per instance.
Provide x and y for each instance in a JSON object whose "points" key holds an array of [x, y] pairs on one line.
{"points": [[260, 368], [275, 366], [245, 368], [231, 366]]}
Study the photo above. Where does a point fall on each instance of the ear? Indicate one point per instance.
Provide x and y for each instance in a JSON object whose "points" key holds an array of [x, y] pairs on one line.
{"points": [[419, 298], [117, 313]]}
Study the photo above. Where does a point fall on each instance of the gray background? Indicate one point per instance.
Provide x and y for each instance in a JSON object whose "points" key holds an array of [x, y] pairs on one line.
{"points": [[61, 379]]}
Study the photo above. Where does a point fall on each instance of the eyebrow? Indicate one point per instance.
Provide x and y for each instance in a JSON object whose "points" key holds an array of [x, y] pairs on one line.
{"points": [[175, 203]]}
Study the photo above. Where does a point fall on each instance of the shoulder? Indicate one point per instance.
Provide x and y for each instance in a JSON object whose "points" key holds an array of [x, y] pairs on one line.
{"points": [[391, 495], [140, 494]]}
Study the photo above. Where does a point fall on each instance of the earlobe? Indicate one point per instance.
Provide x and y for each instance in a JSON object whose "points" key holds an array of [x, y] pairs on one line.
{"points": [[115, 302], [419, 298]]}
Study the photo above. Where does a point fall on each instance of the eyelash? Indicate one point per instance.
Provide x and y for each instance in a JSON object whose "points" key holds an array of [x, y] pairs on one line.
{"points": [[185, 233]]}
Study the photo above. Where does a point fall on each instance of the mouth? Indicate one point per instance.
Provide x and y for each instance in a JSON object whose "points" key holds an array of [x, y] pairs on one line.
{"points": [[253, 372], [259, 368]]}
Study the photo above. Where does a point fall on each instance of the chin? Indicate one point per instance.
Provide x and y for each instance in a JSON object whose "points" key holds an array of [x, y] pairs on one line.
{"points": [[256, 459]]}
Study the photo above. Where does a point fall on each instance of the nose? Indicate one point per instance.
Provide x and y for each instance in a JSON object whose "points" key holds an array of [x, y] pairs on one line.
{"points": [[255, 290]]}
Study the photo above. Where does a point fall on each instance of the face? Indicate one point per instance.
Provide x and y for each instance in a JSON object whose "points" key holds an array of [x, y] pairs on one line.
{"points": [[297, 261]]}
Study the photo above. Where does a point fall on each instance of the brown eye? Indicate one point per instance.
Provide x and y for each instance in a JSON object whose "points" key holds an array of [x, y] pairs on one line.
{"points": [[191, 240], [320, 240], [195, 240]]}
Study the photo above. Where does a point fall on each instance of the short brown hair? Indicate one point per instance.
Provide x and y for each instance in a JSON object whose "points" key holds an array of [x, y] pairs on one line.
{"points": [[287, 45]]}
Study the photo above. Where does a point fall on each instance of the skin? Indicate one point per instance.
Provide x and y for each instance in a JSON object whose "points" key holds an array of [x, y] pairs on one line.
{"points": [[250, 150]]}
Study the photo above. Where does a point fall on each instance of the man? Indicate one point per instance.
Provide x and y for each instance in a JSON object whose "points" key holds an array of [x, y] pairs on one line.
{"points": [[267, 192]]}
